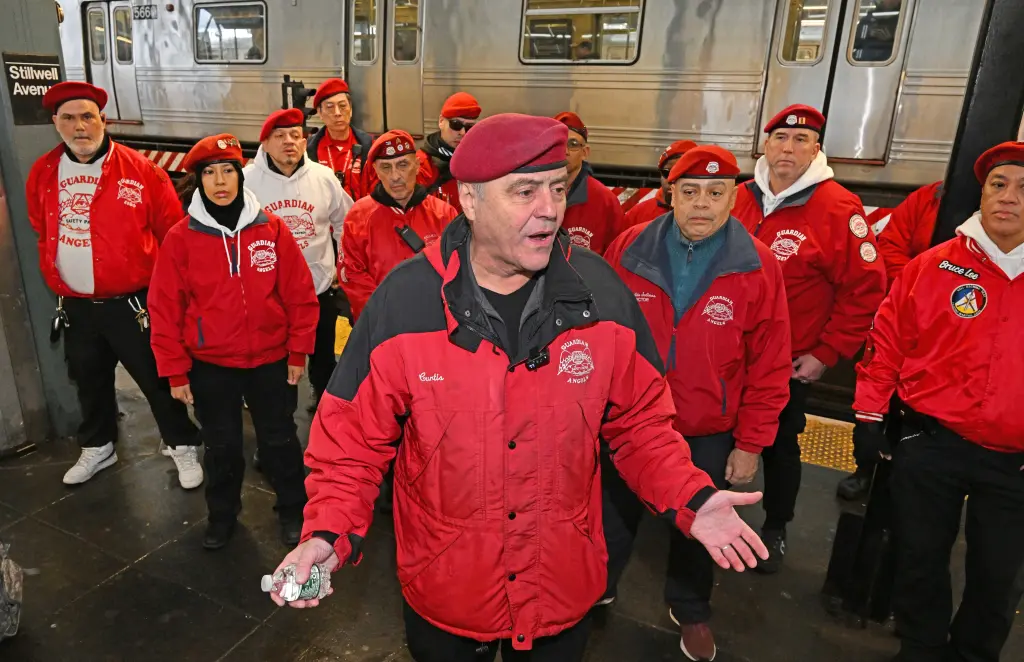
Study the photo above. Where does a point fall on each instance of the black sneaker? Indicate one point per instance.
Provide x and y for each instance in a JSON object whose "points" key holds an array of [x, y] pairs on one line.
{"points": [[291, 530], [855, 486], [775, 541], [218, 534]]}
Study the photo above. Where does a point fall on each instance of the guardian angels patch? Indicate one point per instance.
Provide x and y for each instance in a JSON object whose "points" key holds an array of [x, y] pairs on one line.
{"points": [[969, 300], [868, 253], [858, 226]]}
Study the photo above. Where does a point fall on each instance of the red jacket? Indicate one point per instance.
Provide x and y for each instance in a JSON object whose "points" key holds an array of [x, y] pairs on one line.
{"points": [[947, 339], [255, 309], [371, 245], [647, 211], [909, 230], [357, 178], [835, 279], [497, 480], [132, 210], [728, 355], [593, 215], [430, 175]]}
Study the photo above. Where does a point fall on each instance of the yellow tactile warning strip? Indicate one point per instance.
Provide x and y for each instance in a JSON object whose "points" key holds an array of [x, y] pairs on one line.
{"points": [[828, 443]]}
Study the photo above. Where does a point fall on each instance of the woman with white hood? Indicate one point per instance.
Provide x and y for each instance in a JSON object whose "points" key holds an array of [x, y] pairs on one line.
{"points": [[234, 315]]}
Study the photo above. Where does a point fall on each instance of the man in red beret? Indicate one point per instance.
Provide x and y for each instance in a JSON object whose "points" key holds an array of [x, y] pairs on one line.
{"points": [[337, 144], [947, 342], [498, 356], [660, 203], [593, 215], [395, 222], [310, 200], [698, 274], [101, 210], [458, 115], [835, 281]]}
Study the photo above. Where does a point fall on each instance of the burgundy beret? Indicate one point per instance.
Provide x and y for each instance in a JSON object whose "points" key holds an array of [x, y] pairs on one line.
{"points": [[573, 121], [391, 145], [213, 149], [678, 148], [461, 104], [797, 116], [282, 119], [1008, 153], [707, 162], [71, 90], [329, 88], [507, 143]]}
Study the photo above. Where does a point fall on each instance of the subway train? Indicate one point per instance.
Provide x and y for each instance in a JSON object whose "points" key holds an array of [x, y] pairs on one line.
{"points": [[641, 73]]}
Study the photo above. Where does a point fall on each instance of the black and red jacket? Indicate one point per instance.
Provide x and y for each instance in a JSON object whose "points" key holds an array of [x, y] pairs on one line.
{"points": [[728, 354], [497, 489]]}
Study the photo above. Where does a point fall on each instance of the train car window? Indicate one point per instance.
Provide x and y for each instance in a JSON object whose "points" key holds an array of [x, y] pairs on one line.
{"points": [[230, 33], [874, 36], [805, 32], [123, 35], [406, 21], [97, 36], [364, 31], [581, 31]]}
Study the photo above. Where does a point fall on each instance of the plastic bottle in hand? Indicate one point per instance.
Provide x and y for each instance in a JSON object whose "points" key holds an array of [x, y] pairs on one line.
{"points": [[283, 583]]}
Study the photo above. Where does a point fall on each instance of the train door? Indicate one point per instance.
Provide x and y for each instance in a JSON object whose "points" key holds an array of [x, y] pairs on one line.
{"points": [[845, 57], [110, 57]]}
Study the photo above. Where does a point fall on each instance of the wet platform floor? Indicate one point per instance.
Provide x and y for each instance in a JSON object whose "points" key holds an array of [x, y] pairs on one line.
{"points": [[117, 573]]}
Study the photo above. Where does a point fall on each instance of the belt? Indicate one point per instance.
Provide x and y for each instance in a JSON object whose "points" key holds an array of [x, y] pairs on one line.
{"points": [[115, 297], [924, 423]]}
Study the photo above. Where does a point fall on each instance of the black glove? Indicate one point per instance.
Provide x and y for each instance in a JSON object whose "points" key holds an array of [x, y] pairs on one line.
{"points": [[870, 443]]}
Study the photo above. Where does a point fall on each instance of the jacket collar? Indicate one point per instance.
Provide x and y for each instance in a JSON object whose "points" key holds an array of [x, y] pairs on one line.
{"points": [[797, 200], [578, 191], [381, 196]]}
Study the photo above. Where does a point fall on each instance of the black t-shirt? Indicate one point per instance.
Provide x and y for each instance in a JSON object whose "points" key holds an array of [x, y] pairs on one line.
{"points": [[510, 307]]}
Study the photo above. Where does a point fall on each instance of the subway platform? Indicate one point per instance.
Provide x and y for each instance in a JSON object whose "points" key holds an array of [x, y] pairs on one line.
{"points": [[115, 572]]}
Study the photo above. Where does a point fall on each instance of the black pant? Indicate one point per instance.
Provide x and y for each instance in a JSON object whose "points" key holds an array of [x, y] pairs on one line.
{"points": [[218, 393], [322, 361], [431, 644], [934, 469], [782, 468], [690, 577], [100, 334]]}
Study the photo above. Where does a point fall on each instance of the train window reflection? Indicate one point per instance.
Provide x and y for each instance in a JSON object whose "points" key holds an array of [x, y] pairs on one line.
{"points": [[123, 35], [97, 36], [581, 31], [231, 33], [874, 37], [407, 30], [805, 31], [364, 31]]}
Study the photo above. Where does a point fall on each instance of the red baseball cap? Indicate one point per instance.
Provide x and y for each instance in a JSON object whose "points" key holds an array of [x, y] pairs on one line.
{"points": [[461, 104], [328, 89], [573, 121], [213, 149], [391, 145], [797, 116], [1008, 153], [509, 142], [678, 148], [282, 119], [707, 162], [71, 90]]}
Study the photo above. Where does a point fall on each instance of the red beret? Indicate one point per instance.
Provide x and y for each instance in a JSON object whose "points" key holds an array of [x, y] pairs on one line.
{"points": [[213, 149], [1008, 153], [391, 145], [707, 162], [573, 121], [461, 104], [678, 148], [282, 119], [797, 116], [507, 143], [71, 90], [329, 88]]}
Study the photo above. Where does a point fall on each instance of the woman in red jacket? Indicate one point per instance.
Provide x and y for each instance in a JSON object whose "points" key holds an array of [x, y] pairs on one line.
{"points": [[234, 314]]}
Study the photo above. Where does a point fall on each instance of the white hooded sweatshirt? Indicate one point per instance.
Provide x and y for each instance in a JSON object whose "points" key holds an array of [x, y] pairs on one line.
{"points": [[816, 173], [311, 203], [197, 210], [1011, 263]]}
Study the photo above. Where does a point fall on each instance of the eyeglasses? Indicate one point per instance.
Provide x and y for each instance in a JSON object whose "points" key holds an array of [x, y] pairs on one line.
{"points": [[574, 144], [459, 125]]}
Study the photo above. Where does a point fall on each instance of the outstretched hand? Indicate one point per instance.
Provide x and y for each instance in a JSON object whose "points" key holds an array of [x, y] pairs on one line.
{"points": [[731, 543], [314, 550]]}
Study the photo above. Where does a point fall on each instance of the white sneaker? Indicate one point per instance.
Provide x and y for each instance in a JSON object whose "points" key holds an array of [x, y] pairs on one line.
{"points": [[190, 472], [89, 463]]}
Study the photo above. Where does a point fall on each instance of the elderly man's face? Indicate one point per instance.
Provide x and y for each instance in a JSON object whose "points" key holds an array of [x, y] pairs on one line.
{"points": [[336, 112], [286, 145], [515, 218], [1002, 205], [790, 152], [398, 175], [81, 126], [702, 206]]}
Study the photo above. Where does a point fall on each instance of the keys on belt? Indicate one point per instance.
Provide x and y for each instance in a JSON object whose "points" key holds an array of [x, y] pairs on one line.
{"points": [[141, 314]]}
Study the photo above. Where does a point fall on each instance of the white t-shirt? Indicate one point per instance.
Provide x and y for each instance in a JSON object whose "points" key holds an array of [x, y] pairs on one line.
{"points": [[76, 185]]}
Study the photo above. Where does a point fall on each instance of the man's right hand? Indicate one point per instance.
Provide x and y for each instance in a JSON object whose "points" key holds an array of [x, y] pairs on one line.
{"points": [[182, 393], [314, 550]]}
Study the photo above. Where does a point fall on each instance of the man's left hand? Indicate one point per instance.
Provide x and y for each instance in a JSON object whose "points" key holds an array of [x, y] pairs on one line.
{"points": [[731, 543], [807, 369], [741, 467], [295, 374]]}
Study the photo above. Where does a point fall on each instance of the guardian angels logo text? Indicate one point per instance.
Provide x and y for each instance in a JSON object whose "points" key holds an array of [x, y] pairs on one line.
{"points": [[262, 255], [576, 361], [580, 236], [719, 310], [130, 191], [787, 244]]}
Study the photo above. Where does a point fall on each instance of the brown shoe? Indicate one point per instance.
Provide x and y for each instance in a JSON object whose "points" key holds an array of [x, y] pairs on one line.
{"points": [[696, 641]]}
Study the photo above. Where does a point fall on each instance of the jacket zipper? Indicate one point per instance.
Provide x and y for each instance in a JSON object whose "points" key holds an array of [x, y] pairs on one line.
{"points": [[245, 305]]}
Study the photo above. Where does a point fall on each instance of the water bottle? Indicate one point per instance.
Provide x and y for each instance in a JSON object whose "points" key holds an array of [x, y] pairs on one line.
{"points": [[283, 583]]}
